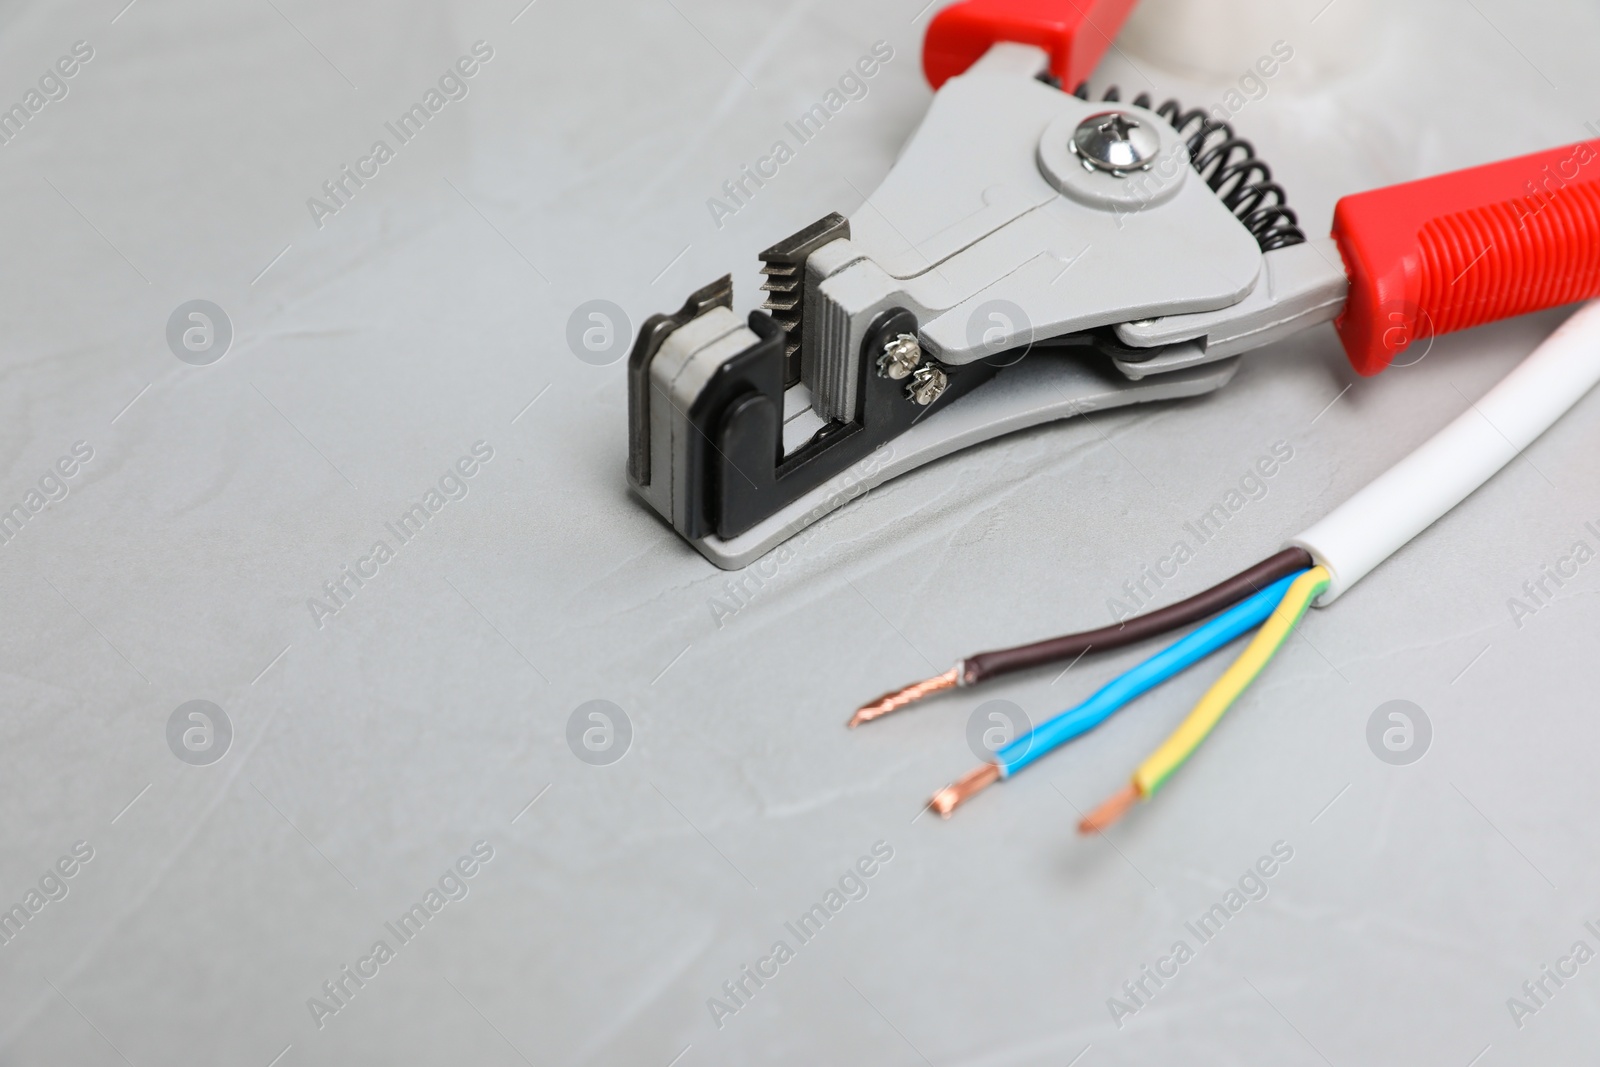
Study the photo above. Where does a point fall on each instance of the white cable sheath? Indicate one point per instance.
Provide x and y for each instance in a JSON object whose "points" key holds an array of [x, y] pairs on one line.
{"points": [[1406, 499]]}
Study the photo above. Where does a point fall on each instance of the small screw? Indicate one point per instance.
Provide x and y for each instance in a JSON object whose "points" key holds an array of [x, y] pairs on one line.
{"points": [[900, 357], [1115, 142], [927, 385]]}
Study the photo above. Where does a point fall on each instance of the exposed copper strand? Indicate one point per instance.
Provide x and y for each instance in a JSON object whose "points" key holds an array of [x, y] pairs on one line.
{"points": [[1114, 808], [909, 695], [947, 799]]}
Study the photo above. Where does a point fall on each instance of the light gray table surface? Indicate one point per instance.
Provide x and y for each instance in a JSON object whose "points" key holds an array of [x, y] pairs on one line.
{"points": [[373, 749]]}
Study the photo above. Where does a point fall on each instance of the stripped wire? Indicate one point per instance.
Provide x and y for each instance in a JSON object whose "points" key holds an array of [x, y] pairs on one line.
{"points": [[1153, 773], [1074, 722], [986, 665], [1340, 550]]}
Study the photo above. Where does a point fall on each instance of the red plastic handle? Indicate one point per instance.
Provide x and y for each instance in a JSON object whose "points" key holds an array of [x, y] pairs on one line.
{"points": [[1076, 33], [1462, 249]]}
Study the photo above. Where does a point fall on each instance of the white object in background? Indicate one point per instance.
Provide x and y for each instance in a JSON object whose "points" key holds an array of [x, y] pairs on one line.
{"points": [[1406, 499], [1223, 40]]}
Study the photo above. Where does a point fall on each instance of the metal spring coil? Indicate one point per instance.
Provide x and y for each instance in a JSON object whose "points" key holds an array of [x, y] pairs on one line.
{"points": [[1231, 168]]}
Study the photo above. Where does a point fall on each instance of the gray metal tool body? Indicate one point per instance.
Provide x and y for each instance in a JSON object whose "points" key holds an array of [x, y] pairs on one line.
{"points": [[1030, 256]]}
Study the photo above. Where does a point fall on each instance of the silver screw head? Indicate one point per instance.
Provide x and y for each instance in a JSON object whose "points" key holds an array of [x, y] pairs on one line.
{"points": [[927, 385], [1115, 141], [900, 357]]}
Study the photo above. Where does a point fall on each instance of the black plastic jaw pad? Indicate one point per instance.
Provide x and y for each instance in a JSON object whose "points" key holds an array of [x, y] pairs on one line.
{"points": [[737, 472]]}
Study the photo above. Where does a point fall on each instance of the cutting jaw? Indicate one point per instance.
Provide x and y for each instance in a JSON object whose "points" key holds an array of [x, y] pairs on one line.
{"points": [[1031, 256]]}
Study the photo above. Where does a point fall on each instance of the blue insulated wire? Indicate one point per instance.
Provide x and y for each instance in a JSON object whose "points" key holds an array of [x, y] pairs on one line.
{"points": [[1181, 654]]}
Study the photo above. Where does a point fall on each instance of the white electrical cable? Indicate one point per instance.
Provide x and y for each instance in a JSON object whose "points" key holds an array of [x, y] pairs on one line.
{"points": [[1406, 499]]}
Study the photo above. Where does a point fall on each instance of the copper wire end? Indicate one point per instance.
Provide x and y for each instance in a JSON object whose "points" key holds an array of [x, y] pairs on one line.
{"points": [[909, 695], [946, 799], [1115, 807]]}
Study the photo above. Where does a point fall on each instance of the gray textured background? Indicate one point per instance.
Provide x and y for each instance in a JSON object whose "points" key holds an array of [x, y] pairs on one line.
{"points": [[370, 754]]}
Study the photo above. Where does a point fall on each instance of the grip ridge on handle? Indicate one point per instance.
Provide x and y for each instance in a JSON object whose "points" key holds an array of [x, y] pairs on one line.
{"points": [[1458, 250], [1500, 261]]}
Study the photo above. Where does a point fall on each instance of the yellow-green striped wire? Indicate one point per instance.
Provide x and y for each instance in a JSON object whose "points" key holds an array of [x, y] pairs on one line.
{"points": [[1154, 771]]}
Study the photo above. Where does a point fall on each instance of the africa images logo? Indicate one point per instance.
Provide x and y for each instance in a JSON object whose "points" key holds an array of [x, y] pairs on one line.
{"points": [[853, 84], [453, 485], [453, 84]]}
